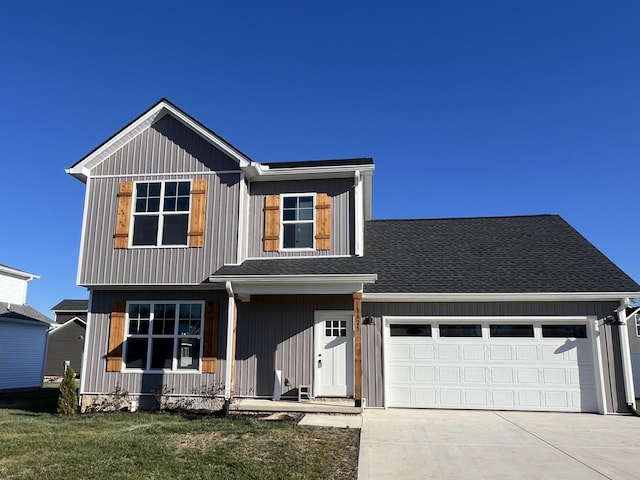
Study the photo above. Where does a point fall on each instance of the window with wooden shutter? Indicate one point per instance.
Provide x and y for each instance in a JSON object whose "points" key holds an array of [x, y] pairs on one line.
{"points": [[272, 223], [210, 339], [323, 221], [116, 337], [123, 218], [198, 212]]}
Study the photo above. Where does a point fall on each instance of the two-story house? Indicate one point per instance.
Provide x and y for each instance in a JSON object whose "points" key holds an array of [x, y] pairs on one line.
{"points": [[66, 339], [205, 267]]}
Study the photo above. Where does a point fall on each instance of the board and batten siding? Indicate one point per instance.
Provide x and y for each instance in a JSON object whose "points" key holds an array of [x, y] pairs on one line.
{"points": [[166, 146], [276, 333], [22, 350], [342, 214], [104, 265], [372, 335], [99, 381]]}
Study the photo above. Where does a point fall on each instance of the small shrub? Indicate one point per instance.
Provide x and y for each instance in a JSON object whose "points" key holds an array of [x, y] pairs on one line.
{"points": [[68, 397]]}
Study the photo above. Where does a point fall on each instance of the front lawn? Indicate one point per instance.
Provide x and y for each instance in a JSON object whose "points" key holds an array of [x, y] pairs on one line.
{"points": [[36, 443]]}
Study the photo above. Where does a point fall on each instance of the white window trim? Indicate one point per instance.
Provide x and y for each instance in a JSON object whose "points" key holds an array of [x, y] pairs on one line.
{"points": [[282, 222], [159, 213], [149, 336], [637, 321]]}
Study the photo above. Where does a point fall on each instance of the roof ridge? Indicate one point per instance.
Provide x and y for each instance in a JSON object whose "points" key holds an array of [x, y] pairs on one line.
{"points": [[463, 218]]}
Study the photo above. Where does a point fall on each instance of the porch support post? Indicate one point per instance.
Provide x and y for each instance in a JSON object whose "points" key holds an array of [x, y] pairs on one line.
{"points": [[357, 348], [230, 353]]}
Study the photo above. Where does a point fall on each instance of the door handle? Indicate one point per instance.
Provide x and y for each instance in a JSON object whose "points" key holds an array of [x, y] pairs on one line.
{"points": [[319, 362]]}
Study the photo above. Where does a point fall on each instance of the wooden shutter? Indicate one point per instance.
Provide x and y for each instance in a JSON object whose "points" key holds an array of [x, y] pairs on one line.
{"points": [[116, 337], [272, 223], [198, 212], [210, 337], [323, 221], [123, 218]]}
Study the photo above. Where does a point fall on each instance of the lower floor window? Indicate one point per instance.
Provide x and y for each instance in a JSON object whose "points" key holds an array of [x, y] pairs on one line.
{"points": [[163, 336]]}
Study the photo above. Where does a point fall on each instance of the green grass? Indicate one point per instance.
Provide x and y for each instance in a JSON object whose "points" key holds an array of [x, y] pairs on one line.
{"points": [[36, 443]]}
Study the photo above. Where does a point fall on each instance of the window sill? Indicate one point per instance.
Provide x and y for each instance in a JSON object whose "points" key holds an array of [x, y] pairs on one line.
{"points": [[156, 247], [160, 372], [285, 250]]}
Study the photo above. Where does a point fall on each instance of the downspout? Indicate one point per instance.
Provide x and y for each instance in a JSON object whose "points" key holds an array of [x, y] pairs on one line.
{"points": [[229, 350], [627, 374]]}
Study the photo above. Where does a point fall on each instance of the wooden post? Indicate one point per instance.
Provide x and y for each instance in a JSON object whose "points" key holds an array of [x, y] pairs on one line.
{"points": [[233, 347], [357, 348]]}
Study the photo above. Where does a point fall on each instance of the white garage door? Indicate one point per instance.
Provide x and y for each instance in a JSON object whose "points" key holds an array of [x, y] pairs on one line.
{"points": [[490, 365]]}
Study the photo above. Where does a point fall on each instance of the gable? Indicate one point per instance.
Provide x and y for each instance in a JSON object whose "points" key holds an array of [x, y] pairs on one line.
{"points": [[167, 146]]}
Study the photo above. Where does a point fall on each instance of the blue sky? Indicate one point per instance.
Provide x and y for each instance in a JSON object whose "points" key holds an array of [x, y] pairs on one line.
{"points": [[468, 108]]}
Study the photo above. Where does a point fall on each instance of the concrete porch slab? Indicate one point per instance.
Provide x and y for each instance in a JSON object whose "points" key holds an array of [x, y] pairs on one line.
{"points": [[314, 406], [328, 420]]}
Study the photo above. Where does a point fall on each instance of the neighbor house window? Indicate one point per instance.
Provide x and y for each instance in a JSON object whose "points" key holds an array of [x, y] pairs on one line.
{"points": [[163, 336], [297, 221], [637, 324], [161, 213]]}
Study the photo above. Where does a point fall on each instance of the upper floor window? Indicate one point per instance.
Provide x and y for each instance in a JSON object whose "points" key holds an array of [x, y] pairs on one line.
{"points": [[163, 336], [297, 221], [161, 213]]}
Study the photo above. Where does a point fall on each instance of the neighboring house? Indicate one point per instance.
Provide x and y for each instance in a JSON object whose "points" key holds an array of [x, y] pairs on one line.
{"points": [[23, 333], [206, 268], [66, 340]]}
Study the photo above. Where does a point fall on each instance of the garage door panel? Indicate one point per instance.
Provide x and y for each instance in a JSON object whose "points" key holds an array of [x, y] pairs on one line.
{"points": [[532, 373]]}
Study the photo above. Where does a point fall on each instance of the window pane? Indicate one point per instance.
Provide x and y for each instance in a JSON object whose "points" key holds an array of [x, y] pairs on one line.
{"points": [[304, 235], [397, 330], [138, 326], [136, 356], [196, 311], [141, 205], [305, 214], [188, 353], [289, 240], [161, 353], [183, 204], [184, 188], [306, 202], [460, 331], [289, 202], [145, 230], [153, 205], [564, 331], [170, 189], [169, 205], [175, 230], [154, 189], [142, 189], [511, 331]]}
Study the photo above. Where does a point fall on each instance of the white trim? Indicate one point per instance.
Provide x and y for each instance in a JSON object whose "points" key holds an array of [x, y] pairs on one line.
{"points": [[599, 369], [175, 336], [166, 174], [83, 231], [151, 286], [259, 172], [497, 297], [229, 343], [627, 371], [289, 257], [281, 220], [60, 326], [87, 333], [83, 168], [315, 278], [242, 223], [487, 318], [359, 216], [18, 273]]}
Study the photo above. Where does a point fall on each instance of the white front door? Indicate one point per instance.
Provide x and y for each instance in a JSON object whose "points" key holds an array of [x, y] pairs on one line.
{"points": [[333, 354]]}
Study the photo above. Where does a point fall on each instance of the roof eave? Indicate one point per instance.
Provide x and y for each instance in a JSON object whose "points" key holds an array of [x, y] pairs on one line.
{"points": [[499, 297]]}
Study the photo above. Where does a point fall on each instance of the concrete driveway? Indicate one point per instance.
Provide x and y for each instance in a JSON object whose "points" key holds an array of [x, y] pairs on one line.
{"points": [[462, 444]]}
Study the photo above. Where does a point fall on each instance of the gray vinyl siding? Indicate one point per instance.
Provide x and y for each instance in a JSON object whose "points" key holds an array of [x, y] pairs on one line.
{"points": [[276, 333], [104, 265], [166, 147], [98, 380], [65, 343], [342, 214], [373, 387]]}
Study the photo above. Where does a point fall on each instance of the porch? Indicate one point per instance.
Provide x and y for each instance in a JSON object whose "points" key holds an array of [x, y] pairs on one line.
{"points": [[316, 405]]}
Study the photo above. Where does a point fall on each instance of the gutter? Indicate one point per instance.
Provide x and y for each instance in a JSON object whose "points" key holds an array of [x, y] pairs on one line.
{"points": [[627, 374]]}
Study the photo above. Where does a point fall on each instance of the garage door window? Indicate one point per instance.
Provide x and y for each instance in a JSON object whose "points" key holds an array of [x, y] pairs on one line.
{"points": [[564, 331], [460, 331], [398, 330], [503, 331]]}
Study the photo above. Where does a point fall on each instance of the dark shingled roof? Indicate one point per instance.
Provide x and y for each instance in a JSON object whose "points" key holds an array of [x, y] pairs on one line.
{"points": [[71, 305], [540, 253], [320, 163], [22, 312]]}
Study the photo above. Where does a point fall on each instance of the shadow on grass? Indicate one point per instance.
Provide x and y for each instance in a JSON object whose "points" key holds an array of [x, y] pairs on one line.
{"points": [[44, 400]]}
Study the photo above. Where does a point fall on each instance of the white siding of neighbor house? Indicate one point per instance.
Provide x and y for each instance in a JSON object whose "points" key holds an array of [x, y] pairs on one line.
{"points": [[13, 289], [22, 350]]}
